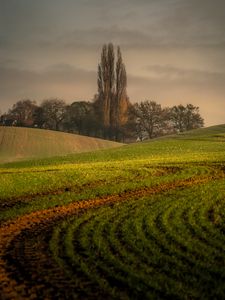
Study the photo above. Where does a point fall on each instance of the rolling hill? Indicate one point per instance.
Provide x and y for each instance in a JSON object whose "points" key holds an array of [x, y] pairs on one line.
{"points": [[142, 221], [24, 143]]}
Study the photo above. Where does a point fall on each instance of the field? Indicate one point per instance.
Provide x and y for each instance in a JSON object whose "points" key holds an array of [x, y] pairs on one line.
{"points": [[27, 143], [140, 221]]}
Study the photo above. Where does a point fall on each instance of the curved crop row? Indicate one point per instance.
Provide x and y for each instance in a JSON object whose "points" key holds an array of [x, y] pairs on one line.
{"points": [[163, 241], [149, 247]]}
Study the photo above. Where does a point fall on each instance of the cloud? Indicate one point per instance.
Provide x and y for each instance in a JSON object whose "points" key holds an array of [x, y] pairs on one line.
{"points": [[101, 35], [60, 81], [165, 84], [189, 76], [173, 49], [197, 23], [166, 87], [159, 36], [135, 24]]}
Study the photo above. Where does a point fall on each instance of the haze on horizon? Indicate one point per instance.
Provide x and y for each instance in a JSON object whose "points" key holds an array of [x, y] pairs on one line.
{"points": [[173, 50]]}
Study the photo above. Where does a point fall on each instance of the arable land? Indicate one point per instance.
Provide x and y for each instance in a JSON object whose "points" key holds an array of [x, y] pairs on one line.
{"points": [[139, 221]]}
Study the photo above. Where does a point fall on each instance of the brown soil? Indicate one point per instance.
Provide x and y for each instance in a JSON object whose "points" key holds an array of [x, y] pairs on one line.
{"points": [[10, 202]]}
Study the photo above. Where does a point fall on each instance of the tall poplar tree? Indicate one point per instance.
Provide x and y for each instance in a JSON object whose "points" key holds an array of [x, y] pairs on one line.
{"points": [[122, 102], [112, 101], [106, 82]]}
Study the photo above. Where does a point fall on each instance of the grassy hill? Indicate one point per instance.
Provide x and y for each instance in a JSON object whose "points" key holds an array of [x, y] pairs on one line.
{"points": [[142, 221], [26, 143], [217, 131]]}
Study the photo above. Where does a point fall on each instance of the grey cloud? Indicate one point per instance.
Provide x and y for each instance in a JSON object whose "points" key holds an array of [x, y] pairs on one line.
{"points": [[67, 72], [56, 81], [101, 35], [199, 23], [134, 38], [61, 73], [20, 18], [172, 73], [207, 95], [3, 41], [135, 24], [35, 34]]}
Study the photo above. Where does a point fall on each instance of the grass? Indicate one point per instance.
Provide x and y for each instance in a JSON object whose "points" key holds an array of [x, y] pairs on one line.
{"points": [[159, 232]]}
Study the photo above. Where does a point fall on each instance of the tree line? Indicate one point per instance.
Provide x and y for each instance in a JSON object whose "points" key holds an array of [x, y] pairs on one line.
{"points": [[110, 114]]}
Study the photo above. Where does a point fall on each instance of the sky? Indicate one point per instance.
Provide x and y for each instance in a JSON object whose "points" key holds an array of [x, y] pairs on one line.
{"points": [[173, 50]]}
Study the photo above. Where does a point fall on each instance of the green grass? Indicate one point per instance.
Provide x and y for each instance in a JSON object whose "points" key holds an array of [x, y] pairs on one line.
{"points": [[57, 181], [165, 240]]}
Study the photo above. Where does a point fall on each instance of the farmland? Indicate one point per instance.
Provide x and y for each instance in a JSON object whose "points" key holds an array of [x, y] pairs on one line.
{"points": [[144, 220], [29, 143]]}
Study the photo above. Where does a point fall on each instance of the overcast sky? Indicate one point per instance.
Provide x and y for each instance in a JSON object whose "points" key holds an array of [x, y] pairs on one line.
{"points": [[174, 50]]}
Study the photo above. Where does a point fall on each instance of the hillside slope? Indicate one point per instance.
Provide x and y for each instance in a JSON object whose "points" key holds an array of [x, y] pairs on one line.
{"points": [[23, 143], [216, 131], [141, 221]]}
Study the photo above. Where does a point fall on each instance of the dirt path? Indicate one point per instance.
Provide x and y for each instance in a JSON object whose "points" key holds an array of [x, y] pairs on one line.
{"points": [[24, 244]]}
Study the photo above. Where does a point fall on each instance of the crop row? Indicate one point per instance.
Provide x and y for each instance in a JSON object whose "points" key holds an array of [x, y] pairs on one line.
{"points": [[63, 186], [160, 240], [164, 246]]}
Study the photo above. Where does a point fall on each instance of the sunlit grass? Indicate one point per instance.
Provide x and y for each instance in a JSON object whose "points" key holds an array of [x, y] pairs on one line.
{"points": [[57, 181], [161, 237]]}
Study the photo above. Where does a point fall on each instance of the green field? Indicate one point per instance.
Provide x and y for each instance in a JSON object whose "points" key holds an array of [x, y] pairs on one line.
{"points": [[140, 221]]}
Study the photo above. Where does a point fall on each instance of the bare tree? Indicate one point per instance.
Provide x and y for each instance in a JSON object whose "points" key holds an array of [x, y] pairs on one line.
{"points": [[186, 117], [23, 112], [193, 119], [150, 119], [80, 118], [53, 112]]}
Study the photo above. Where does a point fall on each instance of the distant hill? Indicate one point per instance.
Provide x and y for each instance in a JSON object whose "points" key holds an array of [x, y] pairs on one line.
{"points": [[17, 143], [216, 131]]}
